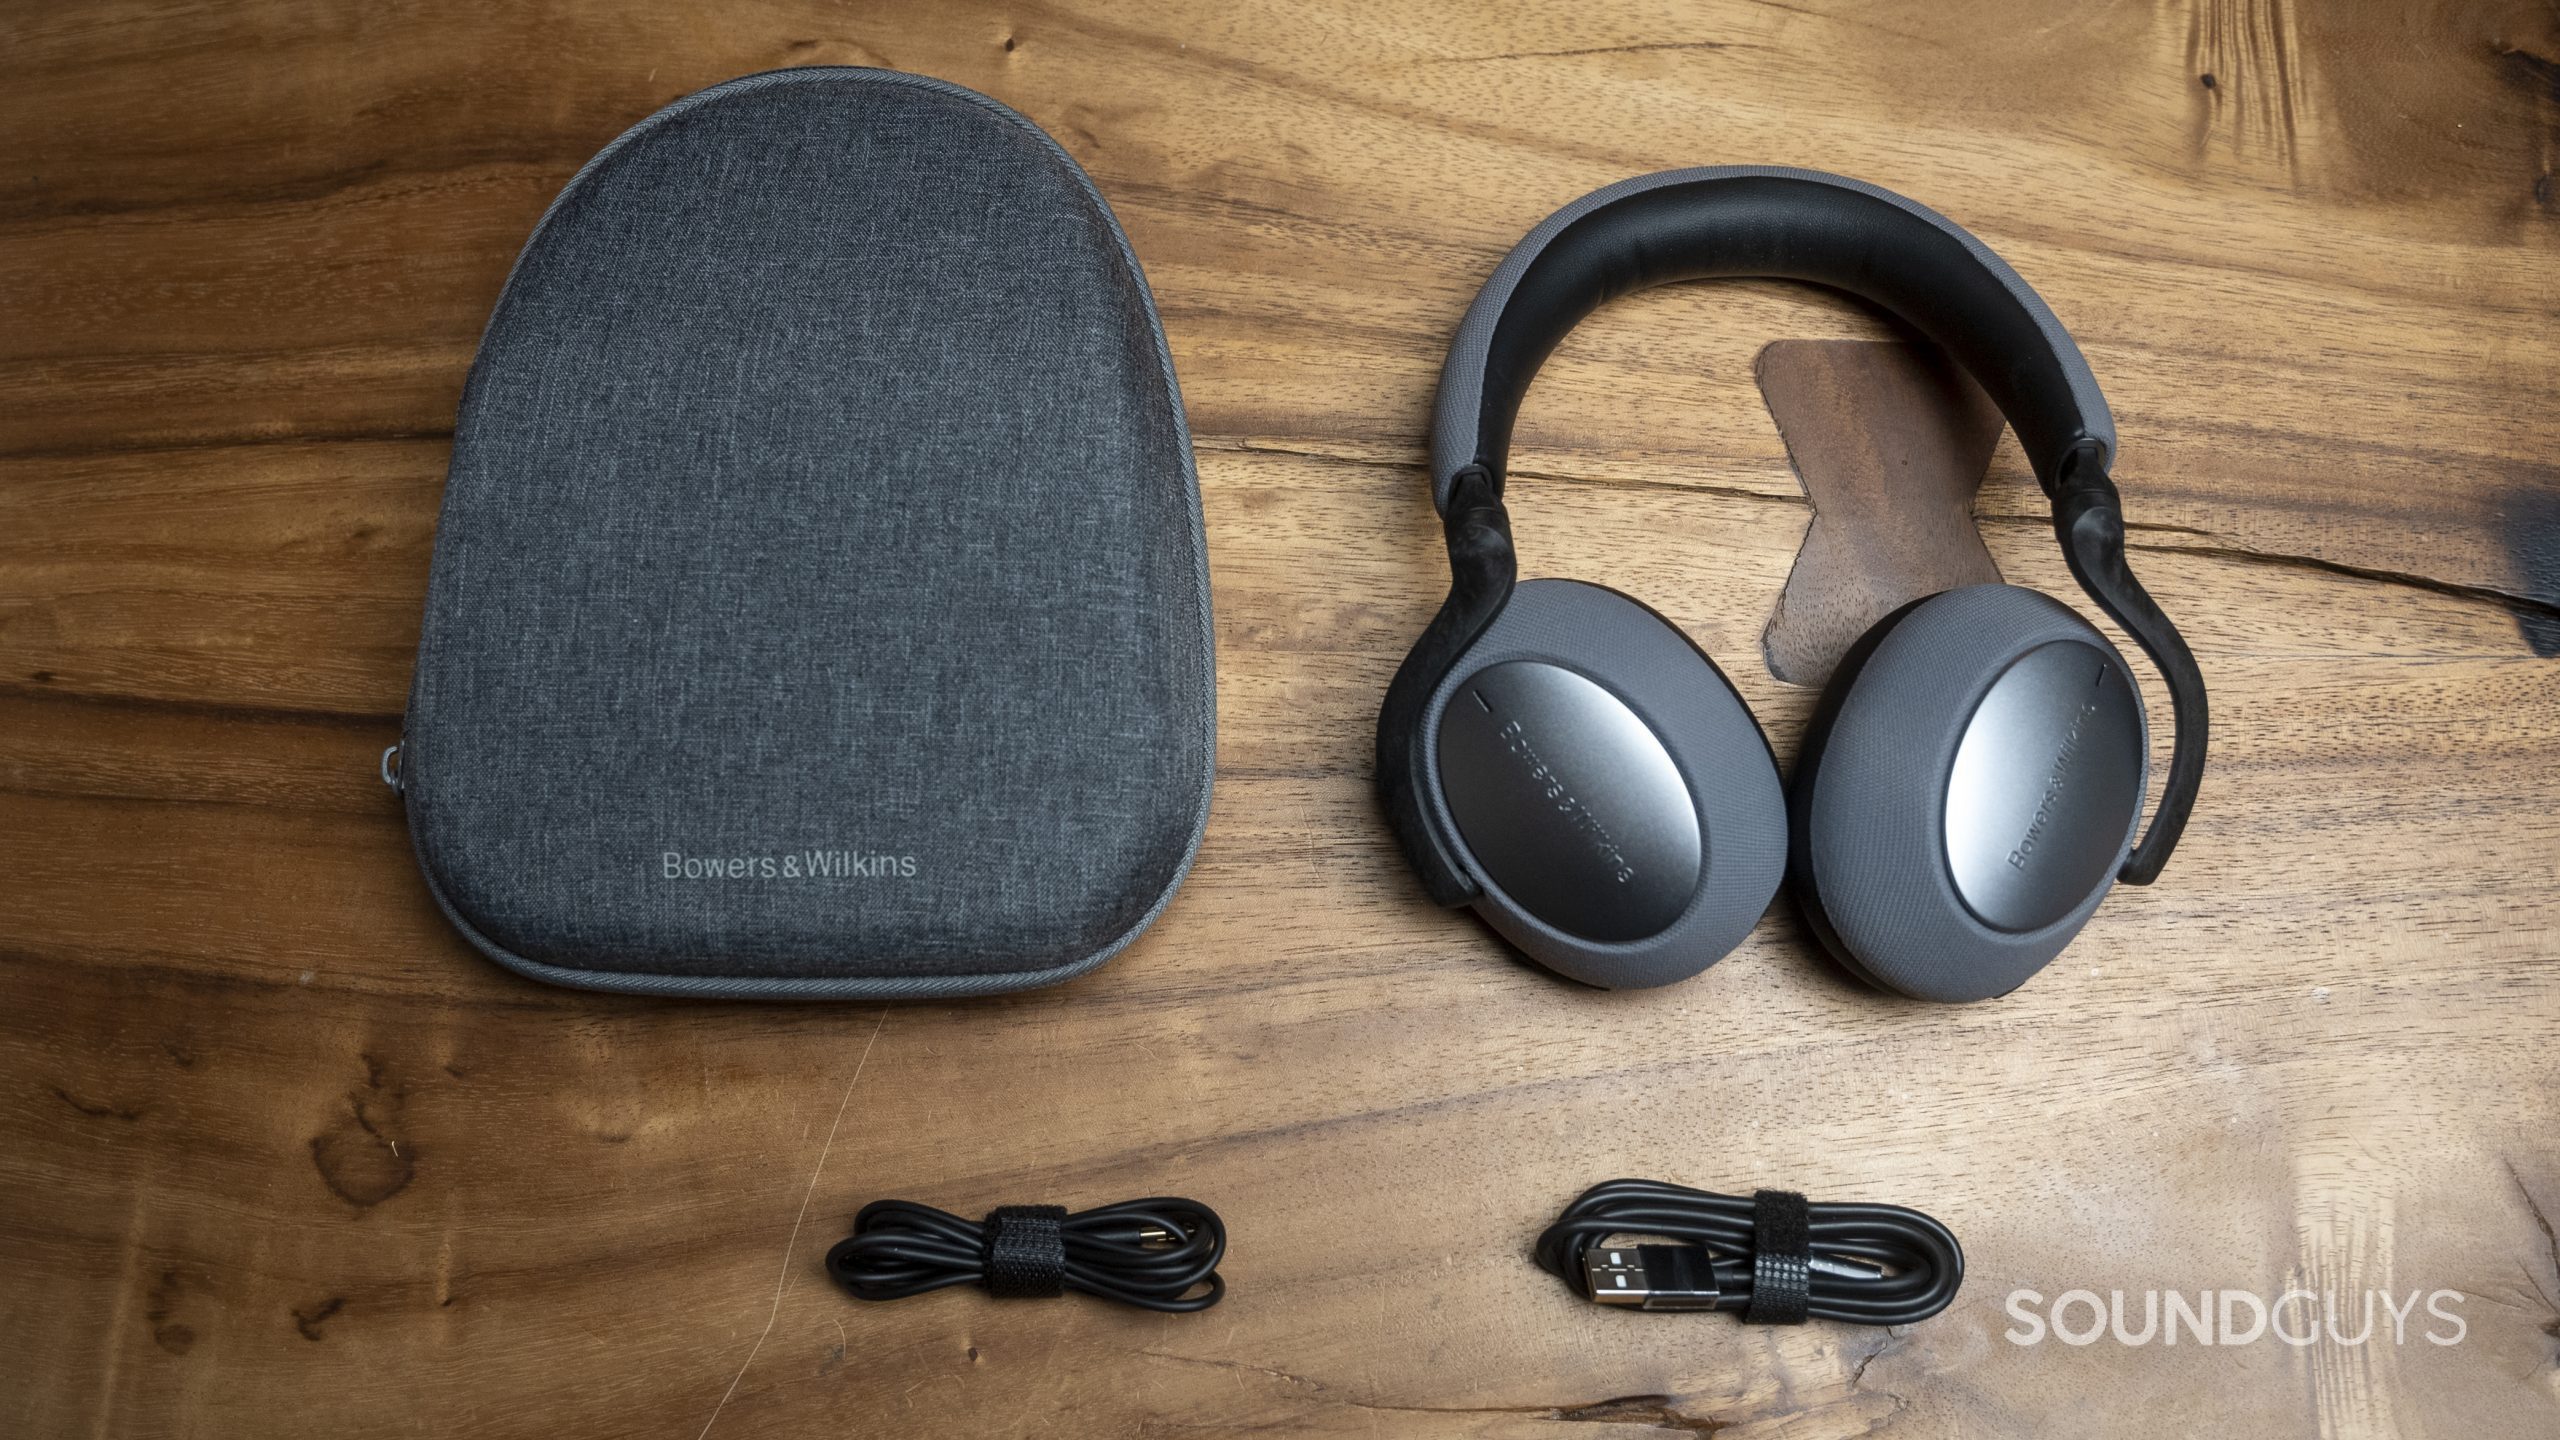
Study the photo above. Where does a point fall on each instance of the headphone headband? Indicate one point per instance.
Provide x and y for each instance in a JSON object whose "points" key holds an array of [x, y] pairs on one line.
{"points": [[1736, 221]]}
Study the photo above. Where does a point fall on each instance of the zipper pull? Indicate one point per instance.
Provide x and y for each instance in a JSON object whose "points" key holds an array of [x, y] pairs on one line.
{"points": [[391, 767]]}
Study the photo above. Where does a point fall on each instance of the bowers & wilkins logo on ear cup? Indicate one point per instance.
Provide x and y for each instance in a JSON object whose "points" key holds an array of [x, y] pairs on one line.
{"points": [[2055, 780], [1515, 738]]}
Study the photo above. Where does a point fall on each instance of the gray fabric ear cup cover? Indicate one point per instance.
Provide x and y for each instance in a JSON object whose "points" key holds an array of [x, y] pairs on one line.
{"points": [[1677, 691], [820, 604], [1870, 802]]}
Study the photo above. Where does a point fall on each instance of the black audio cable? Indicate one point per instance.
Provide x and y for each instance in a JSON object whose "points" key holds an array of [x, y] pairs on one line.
{"points": [[1773, 1256], [1147, 1253]]}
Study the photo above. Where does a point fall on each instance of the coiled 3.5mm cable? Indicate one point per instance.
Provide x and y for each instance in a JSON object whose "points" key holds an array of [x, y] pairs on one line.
{"points": [[1149, 1253]]}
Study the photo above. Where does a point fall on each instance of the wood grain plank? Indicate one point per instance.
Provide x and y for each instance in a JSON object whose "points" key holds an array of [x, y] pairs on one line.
{"points": [[280, 1156]]}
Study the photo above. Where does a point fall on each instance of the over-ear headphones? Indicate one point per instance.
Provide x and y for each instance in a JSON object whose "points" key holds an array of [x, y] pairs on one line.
{"points": [[1564, 761]]}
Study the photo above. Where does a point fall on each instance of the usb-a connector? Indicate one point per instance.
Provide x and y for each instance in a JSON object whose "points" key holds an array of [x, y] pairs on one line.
{"points": [[1650, 1277]]}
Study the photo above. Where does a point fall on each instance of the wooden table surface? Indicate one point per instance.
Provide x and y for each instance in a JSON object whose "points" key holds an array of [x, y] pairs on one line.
{"points": [[280, 1156]]}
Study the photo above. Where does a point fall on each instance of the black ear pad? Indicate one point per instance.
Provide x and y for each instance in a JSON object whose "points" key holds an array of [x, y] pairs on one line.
{"points": [[1606, 787], [1967, 792]]}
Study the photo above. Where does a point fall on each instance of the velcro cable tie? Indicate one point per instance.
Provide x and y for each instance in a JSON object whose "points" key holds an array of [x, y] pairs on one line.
{"points": [[1026, 1251], [1781, 1258]]}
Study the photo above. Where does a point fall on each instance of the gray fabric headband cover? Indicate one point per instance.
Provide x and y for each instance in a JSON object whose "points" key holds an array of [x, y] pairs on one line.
{"points": [[1756, 221]]}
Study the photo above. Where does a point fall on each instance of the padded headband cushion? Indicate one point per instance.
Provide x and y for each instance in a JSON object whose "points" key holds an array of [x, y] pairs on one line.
{"points": [[1744, 221]]}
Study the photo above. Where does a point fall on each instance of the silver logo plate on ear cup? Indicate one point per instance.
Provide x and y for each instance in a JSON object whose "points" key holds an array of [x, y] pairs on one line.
{"points": [[1569, 802], [2041, 798]]}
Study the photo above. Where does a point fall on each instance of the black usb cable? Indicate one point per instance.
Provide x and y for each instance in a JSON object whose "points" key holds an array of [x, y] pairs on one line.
{"points": [[1775, 1257]]}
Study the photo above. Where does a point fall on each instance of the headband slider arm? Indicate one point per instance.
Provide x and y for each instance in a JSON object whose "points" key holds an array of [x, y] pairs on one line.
{"points": [[2088, 518]]}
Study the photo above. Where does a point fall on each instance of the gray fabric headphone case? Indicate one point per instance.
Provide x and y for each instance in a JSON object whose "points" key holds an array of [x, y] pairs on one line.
{"points": [[820, 604]]}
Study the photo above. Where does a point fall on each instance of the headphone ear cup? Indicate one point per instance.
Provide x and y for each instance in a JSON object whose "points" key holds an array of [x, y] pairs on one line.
{"points": [[1802, 785], [1966, 793], [1606, 786]]}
